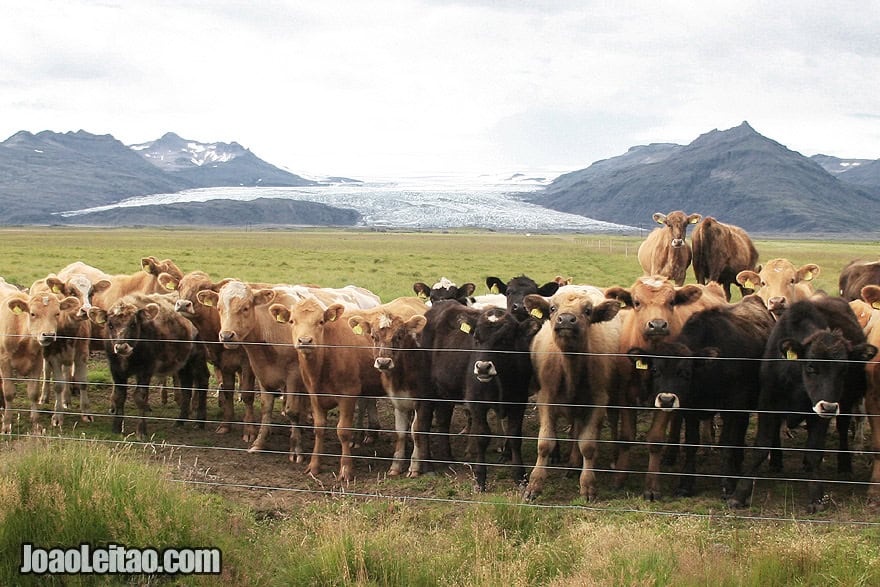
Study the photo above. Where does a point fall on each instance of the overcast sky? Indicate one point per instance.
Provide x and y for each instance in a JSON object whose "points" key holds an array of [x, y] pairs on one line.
{"points": [[402, 87]]}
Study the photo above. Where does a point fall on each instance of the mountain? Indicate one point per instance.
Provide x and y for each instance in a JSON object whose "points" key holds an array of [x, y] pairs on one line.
{"points": [[214, 164], [861, 172], [736, 175], [838, 166]]}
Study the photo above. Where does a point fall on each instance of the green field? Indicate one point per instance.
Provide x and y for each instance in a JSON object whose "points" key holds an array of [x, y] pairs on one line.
{"points": [[65, 489]]}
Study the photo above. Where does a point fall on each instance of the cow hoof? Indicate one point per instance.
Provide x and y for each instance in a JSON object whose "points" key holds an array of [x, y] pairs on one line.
{"points": [[223, 429], [87, 419], [413, 474], [255, 448], [819, 505], [393, 472], [66, 405], [651, 495], [735, 503], [531, 494]]}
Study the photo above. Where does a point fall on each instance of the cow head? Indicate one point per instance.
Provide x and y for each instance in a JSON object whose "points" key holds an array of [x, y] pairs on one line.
{"points": [[307, 319], [390, 336], [154, 267], [188, 289], [871, 295], [677, 222], [237, 304], [44, 313], [124, 322], [444, 290], [822, 361], [655, 302], [501, 345], [517, 289], [672, 367], [779, 283], [79, 286], [570, 314]]}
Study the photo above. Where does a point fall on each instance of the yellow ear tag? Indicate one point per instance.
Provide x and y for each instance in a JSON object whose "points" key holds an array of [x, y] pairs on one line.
{"points": [[641, 365], [622, 303], [101, 320], [808, 276], [876, 305], [56, 289], [791, 355], [357, 329], [208, 303], [279, 318], [465, 327], [17, 310], [537, 313], [171, 285], [494, 288], [422, 296], [748, 284], [694, 221], [147, 268]]}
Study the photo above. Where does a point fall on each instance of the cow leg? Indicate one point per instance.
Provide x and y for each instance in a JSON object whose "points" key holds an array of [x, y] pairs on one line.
{"points": [[267, 404], [768, 428], [692, 425], [117, 405], [844, 457], [733, 438], [247, 383], [344, 431], [81, 379], [184, 396], [8, 395], [319, 423], [420, 461], [478, 441], [673, 439], [443, 417], [872, 409], [33, 393], [587, 440], [368, 419], [45, 381], [546, 444], [227, 396], [141, 401], [402, 424], [655, 439], [817, 430], [295, 410], [514, 432]]}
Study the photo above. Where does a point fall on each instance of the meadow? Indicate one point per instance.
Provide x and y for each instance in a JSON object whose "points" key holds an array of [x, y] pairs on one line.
{"points": [[189, 487]]}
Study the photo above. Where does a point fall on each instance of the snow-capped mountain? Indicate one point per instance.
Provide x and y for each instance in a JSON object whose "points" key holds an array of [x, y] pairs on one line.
{"points": [[172, 153]]}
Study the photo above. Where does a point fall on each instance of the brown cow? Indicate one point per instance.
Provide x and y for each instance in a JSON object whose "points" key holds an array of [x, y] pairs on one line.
{"points": [[143, 282], [855, 276], [666, 251], [27, 325], [658, 311], [779, 283], [336, 367], [721, 251], [390, 329], [871, 295], [573, 379]]}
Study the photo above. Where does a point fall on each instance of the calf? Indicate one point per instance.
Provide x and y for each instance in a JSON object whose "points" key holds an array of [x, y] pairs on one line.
{"points": [[721, 251], [445, 290], [147, 338], [855, 276], [817, 382], [871, 295], [665, 251], [336, 369], [573, 377], [28, 324], [712, 365], [517, 289], [779, 283], [656, 309]]}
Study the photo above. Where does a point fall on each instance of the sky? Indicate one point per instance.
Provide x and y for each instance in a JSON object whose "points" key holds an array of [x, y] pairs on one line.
{"points": [[394, 88]]}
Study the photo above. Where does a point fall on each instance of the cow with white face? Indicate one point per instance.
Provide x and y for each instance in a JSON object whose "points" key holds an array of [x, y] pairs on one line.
{"points": [[779, 283]]}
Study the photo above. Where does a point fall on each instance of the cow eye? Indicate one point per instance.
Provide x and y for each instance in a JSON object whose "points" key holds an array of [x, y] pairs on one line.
{"points": [[811, 369], [553, 309], [636, 303], [763, 283]]}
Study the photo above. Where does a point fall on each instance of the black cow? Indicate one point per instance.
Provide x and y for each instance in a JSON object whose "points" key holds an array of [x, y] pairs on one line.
{"points": [[499, 377], [855, 276], [146, 337], [712, 365], [819, 337], [517, 289], [445, 290]]}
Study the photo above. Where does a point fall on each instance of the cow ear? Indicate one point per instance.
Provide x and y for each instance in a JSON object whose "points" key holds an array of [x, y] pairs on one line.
{"points": [[100, 286], [97, 315], [694, 218], [466, 290], [280, 313], [529, 327], [659, 218], [871, 294], [791, 349], [150, 311], [422, 290], [605, 311], [466, 324], [496, 286], [70, 303], [637, 356], [168, 281], [537, 306], [748, 279], [807, 272], [55, 284], [264, 296], [359, 325], [18, 305], [862, 352], [334, 312], [687, 294], [208, 297], [548, 289], [150, 265], [416, 324], [621, 294]]}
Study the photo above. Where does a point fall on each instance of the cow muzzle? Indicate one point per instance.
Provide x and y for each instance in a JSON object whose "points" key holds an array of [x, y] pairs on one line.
{"points": [[776, 305], [667, 402], [227, 337], [305, 344], [184, 307], [384, 363], [657, 327], [485, 371], [123, 349], [566, 325], [827, 409], [46, 338]]}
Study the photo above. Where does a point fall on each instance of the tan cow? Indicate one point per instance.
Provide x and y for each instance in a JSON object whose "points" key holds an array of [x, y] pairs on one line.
{"points": [[28, 323], [389, 329], [143, 282], [871, 295], [721, 251], [666, 251], [573, 378], [779, 283], [657, 311], [336, 367]]}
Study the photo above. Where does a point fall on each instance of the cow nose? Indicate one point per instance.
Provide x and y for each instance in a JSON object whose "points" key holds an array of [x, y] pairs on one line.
{"points": [[384, 363], [304, 340], [566, 320], [485, 371], [46, 338], [666, 401], [677, 242], [777, 302], [184, 306], [657, 327], [226, 335], [827, 409]]}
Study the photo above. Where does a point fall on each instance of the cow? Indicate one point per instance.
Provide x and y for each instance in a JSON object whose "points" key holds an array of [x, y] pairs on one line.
{"points": [[720, 252], [143, 282], [573, 377], [28, 323], [712, 365], [811, 371], [779, 283], [336, 367], [392, 330], [871, 295], [516, 289], [666, 251], [500, 380], [228, 363], [656, 309], [445, 290], [147, 338], [855, 276]]}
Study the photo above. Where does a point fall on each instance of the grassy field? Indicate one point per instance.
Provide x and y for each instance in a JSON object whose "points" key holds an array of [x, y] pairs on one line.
{"points": [[84, 485]]}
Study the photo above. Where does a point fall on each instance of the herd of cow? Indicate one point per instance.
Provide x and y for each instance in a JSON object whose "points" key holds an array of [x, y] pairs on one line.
{"points": [[580, 353]]}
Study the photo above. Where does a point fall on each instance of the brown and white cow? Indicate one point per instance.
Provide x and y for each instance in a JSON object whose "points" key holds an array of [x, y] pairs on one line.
{"points": [[392, 330], [779, 283], [28, 323], [336, 367], [720, 252], [666, 251], [871, 295], [574, 379], [656, 311], [856, 275]]}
